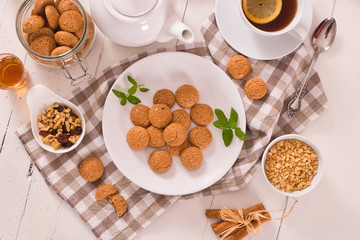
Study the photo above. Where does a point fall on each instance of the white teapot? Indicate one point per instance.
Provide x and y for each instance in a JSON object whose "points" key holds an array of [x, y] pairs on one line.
{"points": [[137, 23]]}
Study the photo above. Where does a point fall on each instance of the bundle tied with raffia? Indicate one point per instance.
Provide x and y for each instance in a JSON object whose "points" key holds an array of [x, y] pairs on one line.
{"points": [[237, 223]]}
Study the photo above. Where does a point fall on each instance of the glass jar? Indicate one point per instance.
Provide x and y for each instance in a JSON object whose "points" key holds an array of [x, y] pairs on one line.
{"points": [[75, 56]]}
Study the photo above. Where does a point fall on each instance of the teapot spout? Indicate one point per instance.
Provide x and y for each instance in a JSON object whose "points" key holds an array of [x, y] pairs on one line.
{"points": [[174, 28]]}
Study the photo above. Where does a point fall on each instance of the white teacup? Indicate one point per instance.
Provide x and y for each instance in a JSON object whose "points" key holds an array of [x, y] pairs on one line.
{"points": [[293, 28]]}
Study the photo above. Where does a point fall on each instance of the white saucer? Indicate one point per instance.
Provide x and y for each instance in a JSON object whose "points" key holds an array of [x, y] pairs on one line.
{"points": [[245, 41]]}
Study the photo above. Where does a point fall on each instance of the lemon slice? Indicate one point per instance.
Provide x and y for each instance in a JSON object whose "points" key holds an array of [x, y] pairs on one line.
{"points": [[12, 73], [262, 11]]}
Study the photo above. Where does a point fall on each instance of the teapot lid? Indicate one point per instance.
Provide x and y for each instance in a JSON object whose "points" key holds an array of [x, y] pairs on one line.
{"points": [[133, 8]]}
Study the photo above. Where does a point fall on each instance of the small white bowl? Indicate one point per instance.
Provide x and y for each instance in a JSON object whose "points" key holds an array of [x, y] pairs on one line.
{"points": [[40, 98], [316, 178]]}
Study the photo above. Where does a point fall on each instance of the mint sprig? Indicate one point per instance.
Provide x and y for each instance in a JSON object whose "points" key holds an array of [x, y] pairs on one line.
{"points": [[228, 125], [129, 97]]}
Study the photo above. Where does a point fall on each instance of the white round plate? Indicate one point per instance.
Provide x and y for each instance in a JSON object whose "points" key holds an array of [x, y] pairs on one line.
{"points": [[242, 39], [171, 70]]}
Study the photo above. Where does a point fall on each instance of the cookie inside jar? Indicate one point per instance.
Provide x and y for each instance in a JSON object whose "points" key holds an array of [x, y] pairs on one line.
{"points": [[55, 31]]}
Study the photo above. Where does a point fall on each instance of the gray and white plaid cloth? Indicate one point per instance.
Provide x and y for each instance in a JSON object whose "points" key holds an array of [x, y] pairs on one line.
{"points": [[266, 118]]}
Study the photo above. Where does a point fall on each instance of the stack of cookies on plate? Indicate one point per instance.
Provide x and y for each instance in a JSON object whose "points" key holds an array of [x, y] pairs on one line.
{"points": [[158, 126]]}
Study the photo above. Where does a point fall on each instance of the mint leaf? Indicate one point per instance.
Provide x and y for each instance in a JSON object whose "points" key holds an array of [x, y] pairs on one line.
{"points": [[227, 136], [232, 125], [133, 100], [228, 125], [132, 90], [143, 89], [119, 94], [233, 116], [220, 124], [240, 134], [220, 115], [123, 101], [131, 80]]}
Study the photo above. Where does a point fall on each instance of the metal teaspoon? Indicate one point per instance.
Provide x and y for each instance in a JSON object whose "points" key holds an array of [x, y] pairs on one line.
{"points": [[322, 39]]}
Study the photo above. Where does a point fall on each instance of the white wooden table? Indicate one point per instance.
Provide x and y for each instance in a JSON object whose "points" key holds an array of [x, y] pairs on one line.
{"points": [[31, 210]]}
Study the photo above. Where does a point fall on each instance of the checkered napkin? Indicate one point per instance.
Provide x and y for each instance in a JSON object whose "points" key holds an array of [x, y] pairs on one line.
{"points": [[266, 118]]}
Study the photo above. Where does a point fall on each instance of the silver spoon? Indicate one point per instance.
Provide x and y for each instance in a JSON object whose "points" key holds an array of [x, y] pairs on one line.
{"points": [[322, 39]]}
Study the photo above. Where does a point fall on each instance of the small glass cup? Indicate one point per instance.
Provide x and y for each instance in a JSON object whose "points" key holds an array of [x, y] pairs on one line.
{"points": [[12, 72]]}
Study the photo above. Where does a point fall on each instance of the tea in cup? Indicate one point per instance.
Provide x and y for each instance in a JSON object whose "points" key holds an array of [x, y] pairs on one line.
{"points": [[12, 72], [283, 18]]}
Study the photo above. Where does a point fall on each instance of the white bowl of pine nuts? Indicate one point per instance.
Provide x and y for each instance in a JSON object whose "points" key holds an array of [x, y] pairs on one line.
{"points": [[292, 165]]}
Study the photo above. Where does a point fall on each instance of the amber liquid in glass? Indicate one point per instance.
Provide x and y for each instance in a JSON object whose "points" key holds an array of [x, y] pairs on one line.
{"points": [[12, 73], [287, 14]]}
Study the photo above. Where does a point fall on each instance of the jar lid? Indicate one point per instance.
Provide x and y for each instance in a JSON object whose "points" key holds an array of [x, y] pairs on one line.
{"points": [[133, 8]]}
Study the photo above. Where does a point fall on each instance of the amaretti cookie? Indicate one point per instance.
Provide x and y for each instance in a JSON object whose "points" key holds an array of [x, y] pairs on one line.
{"points": [[164, 96], [181, 116], [191, 157], [41, 31], [80, 32], [202, 114], [71, 21], [137, 138], [91, 169], [176, 150], [255, 88], [105, 190], [174, 134], [60, 50], [66, 5], [200, 137], [32, 24], [238, 67], [186, 96], [64, 38], [139, 115], [27, 38], [39, 7], [43, 45], [160, 115], [156, 137], [52, 16], [160, 161], [119, 203]]}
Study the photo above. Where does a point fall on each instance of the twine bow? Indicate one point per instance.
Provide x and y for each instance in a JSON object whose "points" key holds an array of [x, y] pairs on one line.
{"points": [[251, 221]]}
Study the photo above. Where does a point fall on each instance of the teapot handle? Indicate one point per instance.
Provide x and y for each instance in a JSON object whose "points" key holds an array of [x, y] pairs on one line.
{"points": [[174, 28]]}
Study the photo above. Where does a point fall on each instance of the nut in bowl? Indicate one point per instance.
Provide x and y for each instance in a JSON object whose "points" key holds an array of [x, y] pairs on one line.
{"points": [[292, 165], [58, 125]]}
